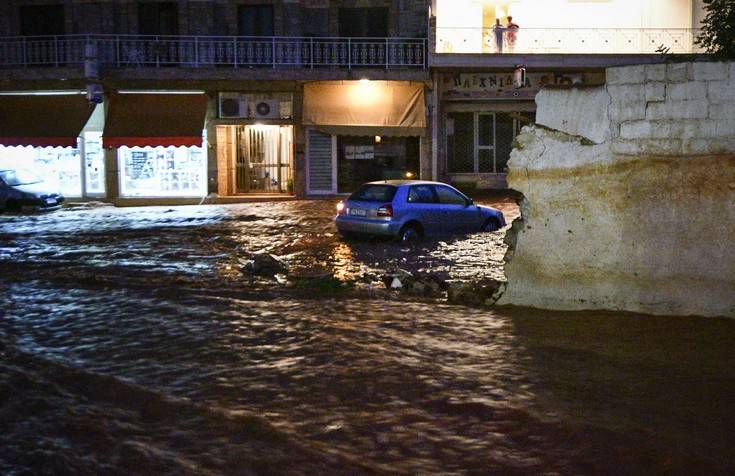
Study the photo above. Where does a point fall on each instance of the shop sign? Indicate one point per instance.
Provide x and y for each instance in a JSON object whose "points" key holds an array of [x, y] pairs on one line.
{"points": [[359, 152], [501, 85]]}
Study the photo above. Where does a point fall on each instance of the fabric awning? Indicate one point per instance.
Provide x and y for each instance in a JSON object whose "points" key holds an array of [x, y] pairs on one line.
{"points": [[378, 107], [43, 120], [144, 119]]}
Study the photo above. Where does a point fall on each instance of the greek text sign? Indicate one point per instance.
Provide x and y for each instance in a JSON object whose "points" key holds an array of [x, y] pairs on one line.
{"points": [[500, 85]]}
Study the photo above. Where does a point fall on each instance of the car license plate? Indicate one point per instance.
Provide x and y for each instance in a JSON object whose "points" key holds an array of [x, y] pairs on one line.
{"points": [[360, 212], [50, 201]]}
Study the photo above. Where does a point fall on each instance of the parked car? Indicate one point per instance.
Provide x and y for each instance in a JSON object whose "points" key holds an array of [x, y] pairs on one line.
{"points": [[22, 189], [408, 209]]}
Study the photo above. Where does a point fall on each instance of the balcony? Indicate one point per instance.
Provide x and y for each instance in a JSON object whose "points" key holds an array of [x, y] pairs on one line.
{"points": [[122, 51], [584, 41]]}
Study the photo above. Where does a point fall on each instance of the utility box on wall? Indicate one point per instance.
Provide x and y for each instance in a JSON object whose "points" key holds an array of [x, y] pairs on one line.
{"points": [[255, 105]]}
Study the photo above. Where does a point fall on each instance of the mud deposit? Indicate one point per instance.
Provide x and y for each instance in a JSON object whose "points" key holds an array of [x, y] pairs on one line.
{"points": [[131, 343]]}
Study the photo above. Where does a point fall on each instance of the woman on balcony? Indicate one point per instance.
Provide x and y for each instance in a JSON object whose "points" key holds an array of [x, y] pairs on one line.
{"points": [[512, 30]]}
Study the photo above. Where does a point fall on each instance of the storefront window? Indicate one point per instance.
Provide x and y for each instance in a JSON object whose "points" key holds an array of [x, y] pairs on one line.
{"points": [[162, 171], [507, 127], [461, 142], [365, 159], [58, 166]]}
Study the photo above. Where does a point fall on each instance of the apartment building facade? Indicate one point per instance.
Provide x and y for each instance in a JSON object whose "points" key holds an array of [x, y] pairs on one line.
{"points": [[178, 99], [151, 100], [490, 58]]}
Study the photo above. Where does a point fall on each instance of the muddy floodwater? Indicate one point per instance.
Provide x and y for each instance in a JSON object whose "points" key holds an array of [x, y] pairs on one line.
{"points": [[132, 341]]}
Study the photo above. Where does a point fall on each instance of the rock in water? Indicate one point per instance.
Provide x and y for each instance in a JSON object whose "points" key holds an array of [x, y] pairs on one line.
{"points": [[265, 264], [482, 293]]}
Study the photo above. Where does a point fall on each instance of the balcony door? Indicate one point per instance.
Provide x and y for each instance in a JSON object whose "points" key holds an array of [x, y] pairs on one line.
{"points": [[255, 20], [363, 22], [158, 18], [42, 20]]}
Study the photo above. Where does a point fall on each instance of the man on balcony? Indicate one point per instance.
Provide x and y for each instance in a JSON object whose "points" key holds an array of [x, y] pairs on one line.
{"points": [[498, 31]]}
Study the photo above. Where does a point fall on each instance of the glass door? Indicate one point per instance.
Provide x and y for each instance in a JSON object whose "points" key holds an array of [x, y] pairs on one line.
{"points": [[263, 162], [481, 142], [93, 164], [485, 142]]}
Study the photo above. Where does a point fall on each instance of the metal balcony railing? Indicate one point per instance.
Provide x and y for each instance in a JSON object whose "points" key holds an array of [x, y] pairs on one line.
{"points": [[567, 40], [204, 51]]}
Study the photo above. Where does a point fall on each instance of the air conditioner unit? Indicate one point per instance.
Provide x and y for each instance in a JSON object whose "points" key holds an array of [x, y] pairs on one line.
{"points": [[232, 105], [265, 109]]}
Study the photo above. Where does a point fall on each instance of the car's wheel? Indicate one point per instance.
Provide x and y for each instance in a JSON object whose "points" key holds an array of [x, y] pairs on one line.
{"points": [[12, 206], [409, 233], [491, 224]]}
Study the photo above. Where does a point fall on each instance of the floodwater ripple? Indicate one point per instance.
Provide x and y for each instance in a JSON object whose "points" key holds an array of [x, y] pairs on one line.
{"points": [[131, 335]]}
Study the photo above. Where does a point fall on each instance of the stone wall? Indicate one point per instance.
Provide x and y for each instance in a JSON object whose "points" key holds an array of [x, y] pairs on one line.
{"points": [[629, 195]]}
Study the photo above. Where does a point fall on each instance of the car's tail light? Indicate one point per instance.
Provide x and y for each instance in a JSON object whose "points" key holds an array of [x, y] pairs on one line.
{"points": [[385, 210], [341, 208]]}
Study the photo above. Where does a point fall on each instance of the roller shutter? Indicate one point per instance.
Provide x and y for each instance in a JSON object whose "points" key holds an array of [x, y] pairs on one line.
{"points": [[320, 162]]}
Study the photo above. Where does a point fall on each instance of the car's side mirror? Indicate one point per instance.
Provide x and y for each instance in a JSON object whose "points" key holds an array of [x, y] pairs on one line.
{"points": [[469, 202]]}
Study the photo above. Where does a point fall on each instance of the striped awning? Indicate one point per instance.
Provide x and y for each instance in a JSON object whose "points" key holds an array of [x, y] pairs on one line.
{"points": [[155, 119], [43, 120]]}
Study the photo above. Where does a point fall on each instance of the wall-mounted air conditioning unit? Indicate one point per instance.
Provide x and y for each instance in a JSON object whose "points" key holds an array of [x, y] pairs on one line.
{"points": [[232, 105], [265, 109]]}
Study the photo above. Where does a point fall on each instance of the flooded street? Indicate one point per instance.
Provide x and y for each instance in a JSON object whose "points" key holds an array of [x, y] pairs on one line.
{"points": [[133, 343]]}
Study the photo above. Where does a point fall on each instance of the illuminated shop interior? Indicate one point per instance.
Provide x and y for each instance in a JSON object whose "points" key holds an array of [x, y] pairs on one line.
{"points": [[564, 26], [259, 157], [162, 171], [62, 167]]}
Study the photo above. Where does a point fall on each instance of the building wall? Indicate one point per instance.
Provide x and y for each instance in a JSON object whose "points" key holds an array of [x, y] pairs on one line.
{"points": [[628, 193], [213, 17], [407, 18]]}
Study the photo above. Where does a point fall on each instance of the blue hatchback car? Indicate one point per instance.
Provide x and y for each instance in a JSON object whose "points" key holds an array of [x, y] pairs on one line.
{"points": [[408, 209]]}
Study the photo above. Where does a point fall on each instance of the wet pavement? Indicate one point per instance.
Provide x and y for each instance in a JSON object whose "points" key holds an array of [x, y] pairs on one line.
{"points": [[132, 342]]}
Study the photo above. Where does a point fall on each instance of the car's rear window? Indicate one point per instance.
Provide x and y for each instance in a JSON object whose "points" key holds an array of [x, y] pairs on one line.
{"points": [[19, 177], [374, 193]]}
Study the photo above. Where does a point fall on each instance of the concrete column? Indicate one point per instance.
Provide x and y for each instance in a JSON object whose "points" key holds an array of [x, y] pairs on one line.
{"points": [[225, 156], [299, 144], [425, 141], [112, 174], [210, 147], [434, 124]]}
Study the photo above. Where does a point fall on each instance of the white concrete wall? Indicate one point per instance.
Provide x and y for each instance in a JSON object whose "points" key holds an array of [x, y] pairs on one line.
{"points": [[579, 112], [629, 207]]}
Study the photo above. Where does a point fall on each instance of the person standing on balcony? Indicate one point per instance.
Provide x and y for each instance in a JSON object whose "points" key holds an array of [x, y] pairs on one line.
{"points": [[512, 31], [498, 31]]}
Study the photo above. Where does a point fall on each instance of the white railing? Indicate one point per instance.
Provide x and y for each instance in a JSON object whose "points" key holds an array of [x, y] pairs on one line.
{"points": [[567, 40], [203, 51]]}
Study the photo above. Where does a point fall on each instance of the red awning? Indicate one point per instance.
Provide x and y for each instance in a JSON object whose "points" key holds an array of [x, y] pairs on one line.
{"points": [[143, 119], [43, 120]]}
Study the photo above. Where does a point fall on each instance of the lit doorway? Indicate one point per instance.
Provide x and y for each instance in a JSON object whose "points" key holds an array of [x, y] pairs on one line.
{"points": [[264, 158]]}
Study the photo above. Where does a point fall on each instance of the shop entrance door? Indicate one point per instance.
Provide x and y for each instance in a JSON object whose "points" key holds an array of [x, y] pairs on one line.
{"points": [[264, 158], [481, 142]]}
